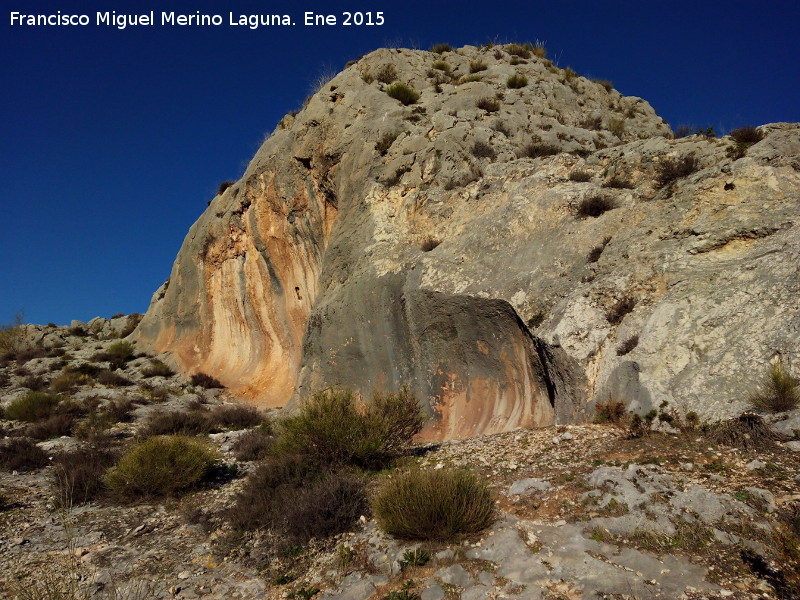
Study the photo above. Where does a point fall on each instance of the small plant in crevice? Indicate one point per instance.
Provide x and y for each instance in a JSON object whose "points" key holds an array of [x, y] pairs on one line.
{"points": [[403, 93], [536, 319], [597, 251], [483, 150], [594, 206], [386, 141], [778, 390], [580, 175], [414, 558], [628, 345], [620, 309]]}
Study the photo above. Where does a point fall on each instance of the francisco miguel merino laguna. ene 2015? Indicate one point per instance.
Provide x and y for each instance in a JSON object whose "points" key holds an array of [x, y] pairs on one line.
{"points": [[121, 21]]}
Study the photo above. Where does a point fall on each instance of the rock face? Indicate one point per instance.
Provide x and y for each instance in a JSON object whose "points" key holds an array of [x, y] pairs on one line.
{"points": [[456, 245]]}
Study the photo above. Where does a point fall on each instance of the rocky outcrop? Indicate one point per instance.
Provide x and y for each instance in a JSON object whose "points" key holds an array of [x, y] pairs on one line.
{"points": [[457, 245]]}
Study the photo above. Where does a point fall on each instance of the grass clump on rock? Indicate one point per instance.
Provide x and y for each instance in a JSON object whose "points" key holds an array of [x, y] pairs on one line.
{"points": [[160, 466], [675, 168], [439, 505], [516, 82], [778, 392], [402, 92], [594, 206]]}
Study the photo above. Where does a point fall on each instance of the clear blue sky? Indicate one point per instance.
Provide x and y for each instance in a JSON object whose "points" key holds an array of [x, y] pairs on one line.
{"points": [[113, 141]]}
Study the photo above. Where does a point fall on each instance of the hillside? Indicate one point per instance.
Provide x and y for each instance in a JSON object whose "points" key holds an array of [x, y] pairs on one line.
{"points": [[516, 245]]}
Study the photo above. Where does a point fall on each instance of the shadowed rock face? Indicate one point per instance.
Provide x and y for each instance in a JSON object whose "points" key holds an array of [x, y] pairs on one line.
{"points": [[373, 245]]}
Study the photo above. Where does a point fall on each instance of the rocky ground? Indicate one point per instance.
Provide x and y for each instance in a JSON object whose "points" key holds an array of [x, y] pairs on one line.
{"points": [[584, 511]]}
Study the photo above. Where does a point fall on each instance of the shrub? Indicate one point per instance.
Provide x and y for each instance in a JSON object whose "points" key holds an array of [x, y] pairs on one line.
{"points": [[516, 82], [68, 381], [592, 122], [224, 186], [429, 243], [386, 74], [54, 426], [130, 324], [683, 130], [746, 432], [433, 505], [476, 66], [205, 381], [441, 48], [618, 182], [520, 50], [160, 466], [673, 169], [118, 353], [254, 444], [539, 50], [330, 430], [405, 94], [34, 383], [604, 83], [33, 406], [77, 476], [617, 127], [597, 251], [612, 411], [501, 127], [540, 150], [628, 345], [290, 496], [569, 74], [746, 135], [778, 391], [386, 141], [442, 65], [483, 150], [488, 104], [157, 368], [580, 175], [622, 307], [112, 379], [190, 422], [594, 206], [236, 416], [21, 454]]}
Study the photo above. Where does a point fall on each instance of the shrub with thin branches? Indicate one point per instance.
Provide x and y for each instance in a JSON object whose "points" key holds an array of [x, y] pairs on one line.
{"points": [[778, 391], [386, 74], [403, 93], [675, 168], [33, 406], [488, 104], [21, 454], [436, 505]]}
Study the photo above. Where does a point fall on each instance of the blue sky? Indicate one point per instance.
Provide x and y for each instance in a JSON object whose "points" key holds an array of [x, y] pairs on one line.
{"points": [[113, 141]]}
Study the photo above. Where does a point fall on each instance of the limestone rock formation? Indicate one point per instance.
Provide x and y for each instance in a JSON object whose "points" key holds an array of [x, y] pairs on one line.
{"points": [[514, 254]]}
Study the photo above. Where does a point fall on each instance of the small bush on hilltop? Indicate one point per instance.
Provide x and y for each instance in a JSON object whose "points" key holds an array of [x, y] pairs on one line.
{"points": [[405, 94], [433, 505], [160, 466], [778, 392], [746, 135], [441, 48]]}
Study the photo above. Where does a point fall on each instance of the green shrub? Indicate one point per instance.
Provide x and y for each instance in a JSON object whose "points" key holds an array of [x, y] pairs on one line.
{"points": [[33, 406], [405, 94], [594, 206], [205, 381], [160, 466], [516, 82], [442, 65], [778, 391], [441, 48], [119, 353], [190, 422], [433, 505], [330, 430], [21, 454], [386, 74], [675, 168], [157, 368], [488, 104], [68, 381]]}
